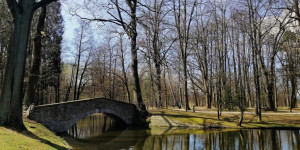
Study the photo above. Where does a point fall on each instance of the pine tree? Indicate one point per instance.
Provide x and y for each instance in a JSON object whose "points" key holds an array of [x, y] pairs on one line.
{"points": [[51, 55]]}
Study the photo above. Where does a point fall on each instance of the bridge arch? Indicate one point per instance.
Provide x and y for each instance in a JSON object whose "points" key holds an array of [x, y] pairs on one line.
{"points": [[73, 121], [59, 117]]}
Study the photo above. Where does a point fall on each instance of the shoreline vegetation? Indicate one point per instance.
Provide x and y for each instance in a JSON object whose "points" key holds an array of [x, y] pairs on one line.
{"points": [[205, 119], [36, 137]]}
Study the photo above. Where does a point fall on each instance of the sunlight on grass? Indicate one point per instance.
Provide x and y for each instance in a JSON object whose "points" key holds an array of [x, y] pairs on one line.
{"points": [[209, 120], [37, 137]]}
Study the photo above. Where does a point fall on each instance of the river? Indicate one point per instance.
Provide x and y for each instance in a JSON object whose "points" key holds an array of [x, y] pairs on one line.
{"points": [[101, 132]]}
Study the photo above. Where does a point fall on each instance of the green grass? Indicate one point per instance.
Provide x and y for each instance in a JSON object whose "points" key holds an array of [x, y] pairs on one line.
{"points": [[209, 120], [37, 137]]}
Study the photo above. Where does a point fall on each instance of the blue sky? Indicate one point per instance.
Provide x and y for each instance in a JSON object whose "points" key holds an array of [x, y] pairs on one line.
{"points": [[70, 23]]}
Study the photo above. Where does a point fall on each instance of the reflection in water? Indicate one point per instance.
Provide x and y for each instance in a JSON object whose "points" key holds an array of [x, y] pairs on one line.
{"points": [[100, 136], [94, 125], [241, 139]]}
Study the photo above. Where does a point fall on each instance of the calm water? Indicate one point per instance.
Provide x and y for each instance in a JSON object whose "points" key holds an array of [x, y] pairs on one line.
{"points": [[98, 131]]}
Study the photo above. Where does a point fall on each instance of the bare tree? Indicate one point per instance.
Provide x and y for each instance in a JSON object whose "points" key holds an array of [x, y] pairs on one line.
{"points": [[202, 52], [183, 20], [293, 6], [290, 60], [130, 27], [84, 48], [125, 80]]}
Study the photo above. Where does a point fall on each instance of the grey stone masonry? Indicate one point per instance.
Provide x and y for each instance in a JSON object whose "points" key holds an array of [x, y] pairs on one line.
{"points": [[59, 117]]}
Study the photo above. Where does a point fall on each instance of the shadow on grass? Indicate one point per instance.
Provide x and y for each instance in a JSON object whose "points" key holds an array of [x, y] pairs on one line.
{"points": [[31, 135], [190, 117], [163, 116], [205, 124], [249, 122]]}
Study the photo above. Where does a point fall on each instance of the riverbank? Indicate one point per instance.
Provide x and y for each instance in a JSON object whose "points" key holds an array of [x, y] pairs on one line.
{"points": [[208, 119], [37, 137]]}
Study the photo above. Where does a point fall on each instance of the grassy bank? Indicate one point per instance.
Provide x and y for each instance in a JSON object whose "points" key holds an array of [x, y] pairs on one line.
{"points": [[208, 119], [37, 137]]}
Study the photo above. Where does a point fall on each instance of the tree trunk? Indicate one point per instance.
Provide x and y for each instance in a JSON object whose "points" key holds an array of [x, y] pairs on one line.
{"points": [[135, 75], [157, 103], [166, 89], [36, 63], [70, 84], [77, 64], [195, 95], [132, 33], [175, 102], [186, 95], [80, 85], [257, 88], [294, 92], [271, 84], [157, 61], [57, 91], [207, 91], [158, 82], [241, 117], [123, 69], [11, 91]]}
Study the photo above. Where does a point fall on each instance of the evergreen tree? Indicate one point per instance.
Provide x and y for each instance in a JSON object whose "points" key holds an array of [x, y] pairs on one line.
{"points": [[5, 31], [51, 56]]}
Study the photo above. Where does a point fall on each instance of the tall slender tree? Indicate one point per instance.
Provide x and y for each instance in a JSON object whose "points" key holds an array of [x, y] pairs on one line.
{"points": [[125, 16], [183, 21]]}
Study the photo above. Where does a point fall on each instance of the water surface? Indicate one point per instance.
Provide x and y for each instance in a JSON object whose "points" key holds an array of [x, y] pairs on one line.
{"points": [[101, 132]]}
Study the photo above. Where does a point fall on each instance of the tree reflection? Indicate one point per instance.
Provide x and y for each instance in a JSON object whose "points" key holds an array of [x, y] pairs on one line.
{"points": [[94, 125], [240, 139], [98, 132]]}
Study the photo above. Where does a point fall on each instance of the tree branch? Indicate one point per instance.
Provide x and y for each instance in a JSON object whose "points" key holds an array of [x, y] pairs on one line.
{"points": [[42, 3], [125, 27], [114, 21]]}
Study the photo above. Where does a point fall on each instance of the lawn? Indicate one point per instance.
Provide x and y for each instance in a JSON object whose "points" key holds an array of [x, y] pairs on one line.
{"points": [[37, 137], [208, 119]]}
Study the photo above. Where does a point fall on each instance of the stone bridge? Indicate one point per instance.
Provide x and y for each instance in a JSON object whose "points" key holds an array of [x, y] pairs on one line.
{"points": [[59, 117]]}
